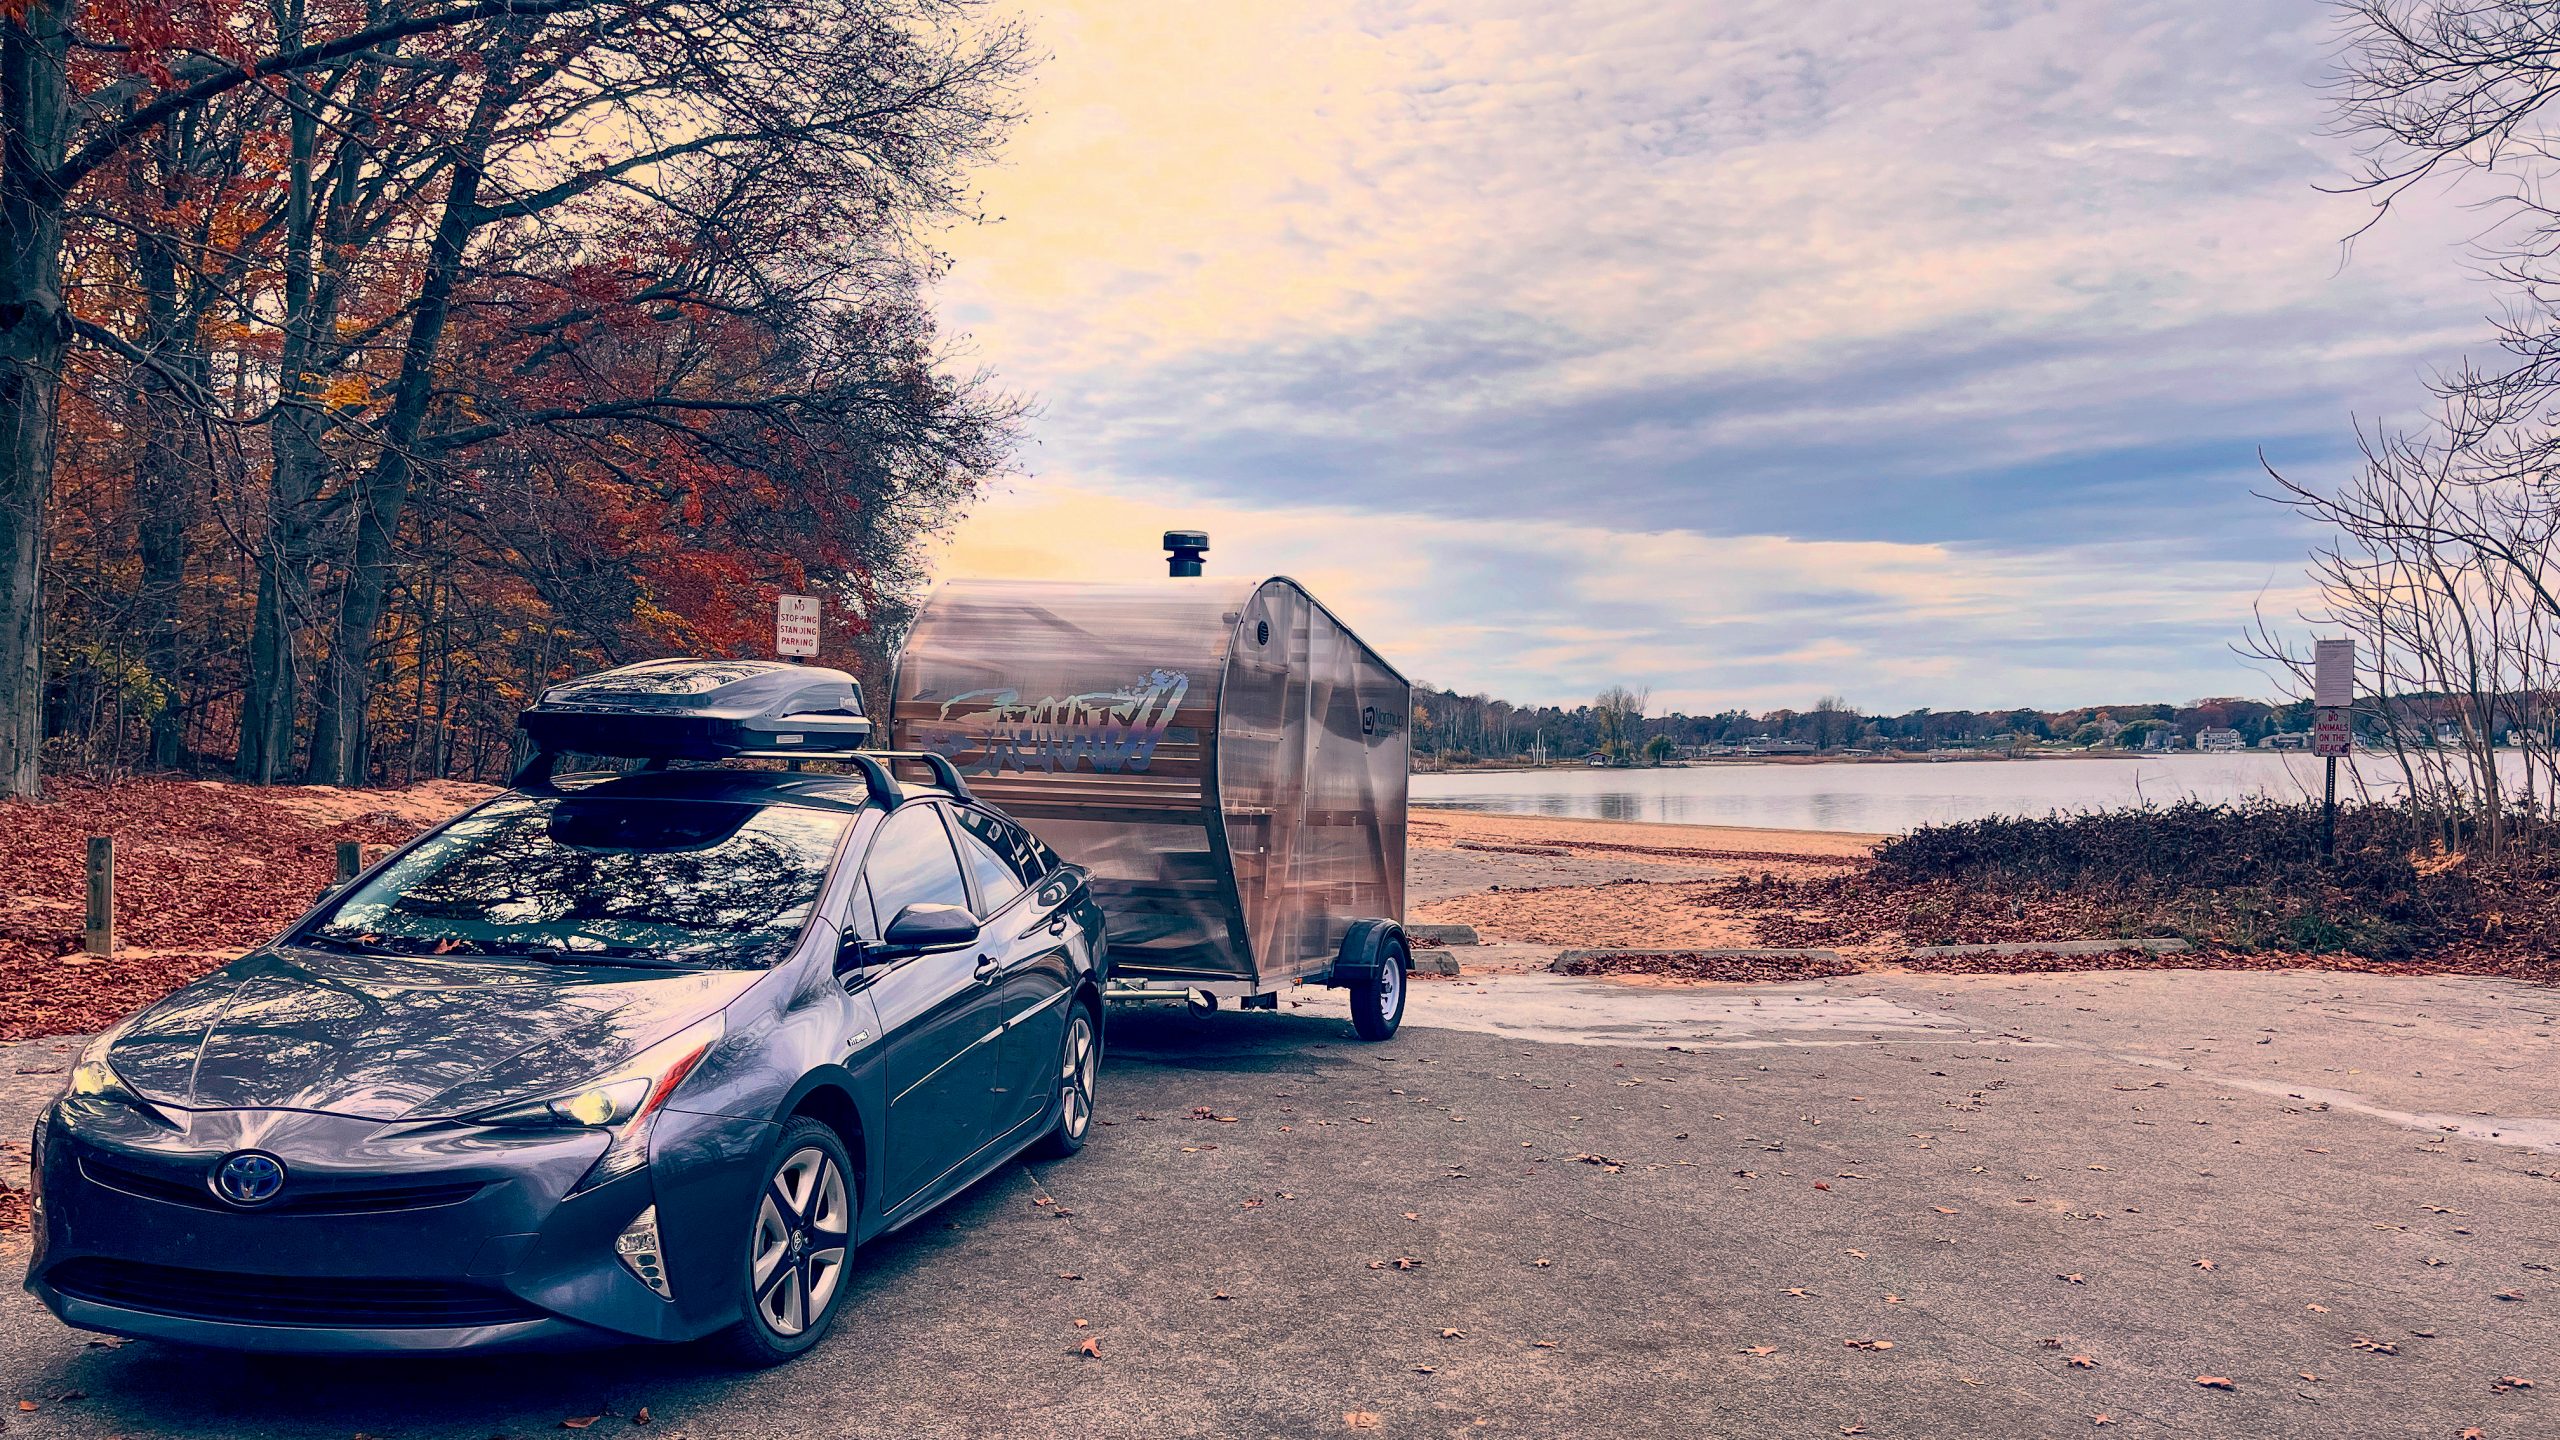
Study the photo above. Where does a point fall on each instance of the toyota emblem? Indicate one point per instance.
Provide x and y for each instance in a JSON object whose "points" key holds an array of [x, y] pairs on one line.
{"points": [[248, 1177]]}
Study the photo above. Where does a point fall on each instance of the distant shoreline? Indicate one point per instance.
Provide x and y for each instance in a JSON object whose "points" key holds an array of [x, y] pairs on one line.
{"points": [[1948, 757]]}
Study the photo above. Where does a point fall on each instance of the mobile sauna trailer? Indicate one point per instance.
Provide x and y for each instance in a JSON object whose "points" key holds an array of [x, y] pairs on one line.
{"points": [[1225, 757]]}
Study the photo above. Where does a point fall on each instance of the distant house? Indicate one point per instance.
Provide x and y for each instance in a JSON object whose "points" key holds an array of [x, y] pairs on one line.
{"points": [[2286, 740], [1770, 745], [2213, 737], [2160, 740]]}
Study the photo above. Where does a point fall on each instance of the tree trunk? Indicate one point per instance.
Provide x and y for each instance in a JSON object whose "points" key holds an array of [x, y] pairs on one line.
{"points": [[340, 744], [34, 334], [171, 466], [272, 701]]}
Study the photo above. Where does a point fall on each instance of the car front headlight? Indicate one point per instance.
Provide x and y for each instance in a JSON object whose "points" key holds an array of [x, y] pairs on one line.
{"points": [[622, 1103], [97, 1080], [93, 1077]]}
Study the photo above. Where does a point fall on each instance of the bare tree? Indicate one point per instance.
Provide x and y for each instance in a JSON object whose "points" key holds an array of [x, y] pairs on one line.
{"points": [[1620, 713], [2446, 542]]}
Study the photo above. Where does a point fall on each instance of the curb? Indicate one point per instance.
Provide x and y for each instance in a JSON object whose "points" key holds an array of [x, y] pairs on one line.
{"points": [[1565, 962], [2156, 944], [1445, 934]]}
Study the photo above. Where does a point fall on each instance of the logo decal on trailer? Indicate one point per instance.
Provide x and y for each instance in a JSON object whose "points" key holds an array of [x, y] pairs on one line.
{"points": [[990, 732]]}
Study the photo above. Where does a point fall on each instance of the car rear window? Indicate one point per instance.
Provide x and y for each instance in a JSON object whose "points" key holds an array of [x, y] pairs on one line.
{"points": [[705, 882]]}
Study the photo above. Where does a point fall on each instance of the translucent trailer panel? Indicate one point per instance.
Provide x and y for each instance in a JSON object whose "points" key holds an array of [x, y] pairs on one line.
{"points": [[1227, 758]]}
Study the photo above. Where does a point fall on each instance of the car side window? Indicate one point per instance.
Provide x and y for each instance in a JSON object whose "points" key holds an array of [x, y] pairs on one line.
{"points": [[997, 884], [911, 863], [860, 920], [1027, 858]]}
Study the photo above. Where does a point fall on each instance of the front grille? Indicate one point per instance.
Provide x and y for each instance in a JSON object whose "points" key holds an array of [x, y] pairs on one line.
{"points": [[286, 1299], [353, 1200]]}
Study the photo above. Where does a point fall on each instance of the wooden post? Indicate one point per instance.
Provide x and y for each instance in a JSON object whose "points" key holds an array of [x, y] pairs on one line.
{"points": [[101, 936], [350, 860], [2329, 817]]}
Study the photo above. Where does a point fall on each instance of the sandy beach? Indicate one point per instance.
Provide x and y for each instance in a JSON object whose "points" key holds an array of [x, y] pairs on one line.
{"points": [[1540, 881], [1442, 827]]}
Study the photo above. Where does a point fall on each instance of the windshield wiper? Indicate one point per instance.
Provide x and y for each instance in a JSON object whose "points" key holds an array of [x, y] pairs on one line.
{"points": [[345, 945], [627, 960]]}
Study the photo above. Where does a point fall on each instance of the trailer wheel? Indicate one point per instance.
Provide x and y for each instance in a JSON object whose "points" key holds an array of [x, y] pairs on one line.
{"points": [[1377, 999]]}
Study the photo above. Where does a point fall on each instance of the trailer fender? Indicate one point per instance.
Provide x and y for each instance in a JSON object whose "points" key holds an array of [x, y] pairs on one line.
{"points": [[1365, 947]]}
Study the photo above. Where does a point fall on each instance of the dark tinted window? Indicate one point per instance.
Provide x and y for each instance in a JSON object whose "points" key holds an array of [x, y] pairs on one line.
{"points": [[911, 864], [859, 920], [1026, 857], [997, 884], [714, 883]]}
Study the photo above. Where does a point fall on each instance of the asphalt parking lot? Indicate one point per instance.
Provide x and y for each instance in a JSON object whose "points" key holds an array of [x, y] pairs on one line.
{"points": [[1923, 1207]]}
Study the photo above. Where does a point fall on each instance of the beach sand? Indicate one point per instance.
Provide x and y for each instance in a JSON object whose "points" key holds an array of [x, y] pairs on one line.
{"points": [[1604, 883]]}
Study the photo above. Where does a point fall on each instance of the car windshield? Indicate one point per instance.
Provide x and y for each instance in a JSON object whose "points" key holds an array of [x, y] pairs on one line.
{"points": [[604, 880]]}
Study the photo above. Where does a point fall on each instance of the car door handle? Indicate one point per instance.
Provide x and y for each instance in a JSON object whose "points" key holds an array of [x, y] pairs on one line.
{"points": [[988, 965]]}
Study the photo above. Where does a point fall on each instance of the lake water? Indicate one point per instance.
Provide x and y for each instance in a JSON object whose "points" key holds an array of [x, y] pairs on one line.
{"points": [[1886, 797]]}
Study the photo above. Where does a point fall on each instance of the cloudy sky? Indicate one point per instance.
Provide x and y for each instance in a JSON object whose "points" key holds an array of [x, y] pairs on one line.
{"points": [[1919, 353]]}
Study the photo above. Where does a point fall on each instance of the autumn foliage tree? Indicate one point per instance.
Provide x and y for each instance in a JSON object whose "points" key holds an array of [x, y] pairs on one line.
{"points": [[367, 363]]}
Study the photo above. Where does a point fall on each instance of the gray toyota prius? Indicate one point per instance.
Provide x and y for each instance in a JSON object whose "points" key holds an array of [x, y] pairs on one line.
{"points": [[640, 1055]]}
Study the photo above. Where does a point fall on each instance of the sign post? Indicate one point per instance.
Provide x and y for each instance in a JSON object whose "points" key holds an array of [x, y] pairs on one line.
{"points": [[2333, 694], [795, 625]]}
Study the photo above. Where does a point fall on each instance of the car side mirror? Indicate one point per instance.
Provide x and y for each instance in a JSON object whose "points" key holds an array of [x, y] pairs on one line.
{"points": [[855, 953], [923, 929]]}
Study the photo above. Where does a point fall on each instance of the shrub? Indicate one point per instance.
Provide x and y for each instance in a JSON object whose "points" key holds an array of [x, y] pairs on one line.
{"points": [[2247, 876]]}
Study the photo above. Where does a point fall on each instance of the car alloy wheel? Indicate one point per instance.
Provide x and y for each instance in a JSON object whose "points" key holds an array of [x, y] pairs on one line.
{"points": [[803, 1229], [1079, 1062], [1075, 1080]]}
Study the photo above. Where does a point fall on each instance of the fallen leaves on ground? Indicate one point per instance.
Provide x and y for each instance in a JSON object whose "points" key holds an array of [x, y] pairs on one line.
{"points": [[1091, 1349], [1360, 1420], [209, 869], [2216, 1382]]}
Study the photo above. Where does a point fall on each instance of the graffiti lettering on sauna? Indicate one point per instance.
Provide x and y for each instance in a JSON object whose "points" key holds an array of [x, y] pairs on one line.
{"points": [[990, 732]]}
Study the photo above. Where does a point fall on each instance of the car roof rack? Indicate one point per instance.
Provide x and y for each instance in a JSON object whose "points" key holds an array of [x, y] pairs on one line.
{"points": [[873, 765]]}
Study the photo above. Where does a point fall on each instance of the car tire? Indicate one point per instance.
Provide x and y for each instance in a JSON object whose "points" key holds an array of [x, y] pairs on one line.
{"points": [[1079, 1066], [799, 1246], [1377, 999]]}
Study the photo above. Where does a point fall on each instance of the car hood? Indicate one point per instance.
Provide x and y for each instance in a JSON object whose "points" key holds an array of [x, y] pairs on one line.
{"points": [[401, 1038]]}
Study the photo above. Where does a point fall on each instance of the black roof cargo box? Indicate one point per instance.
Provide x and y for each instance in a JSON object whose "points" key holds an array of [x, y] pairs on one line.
{"points": [[701, 710]]}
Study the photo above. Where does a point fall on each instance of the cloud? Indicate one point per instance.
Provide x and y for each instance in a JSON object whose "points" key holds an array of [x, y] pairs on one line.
{"points": [[1542, 612], [1946, 337]]}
